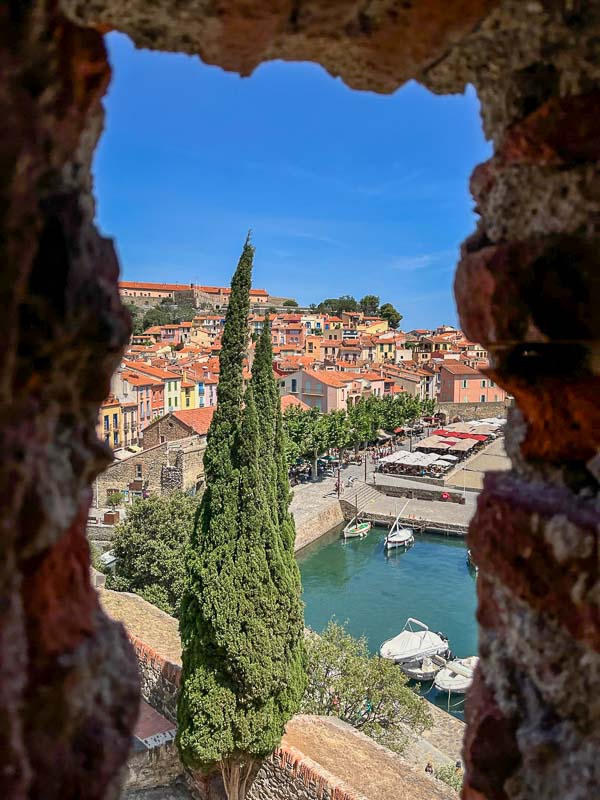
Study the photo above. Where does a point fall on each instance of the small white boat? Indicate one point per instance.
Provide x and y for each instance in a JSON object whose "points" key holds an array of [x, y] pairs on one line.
{"points": [[456, 676], [415, 649], [356, 530], [399, 537]]}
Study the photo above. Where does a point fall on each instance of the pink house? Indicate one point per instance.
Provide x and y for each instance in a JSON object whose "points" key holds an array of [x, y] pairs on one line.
{"points": [[331, 391], [460, 383], [322, 389]]}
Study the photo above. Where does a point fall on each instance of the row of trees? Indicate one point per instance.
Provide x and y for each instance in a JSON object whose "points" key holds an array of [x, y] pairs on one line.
{"points": [[310, 433], [369, 304]]}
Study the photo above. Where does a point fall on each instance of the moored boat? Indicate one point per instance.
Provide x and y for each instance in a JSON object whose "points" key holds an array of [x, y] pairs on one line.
{"points": [[457, 676], [356, 530], [415, 650], [398, 536]]}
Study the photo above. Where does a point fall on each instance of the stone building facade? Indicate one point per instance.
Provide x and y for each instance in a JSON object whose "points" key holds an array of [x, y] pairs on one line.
{"points": [[178, 425], [160, 469]]}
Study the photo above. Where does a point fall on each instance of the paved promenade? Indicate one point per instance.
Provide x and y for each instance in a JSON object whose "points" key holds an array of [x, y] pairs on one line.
{"points": [[310, 499]]}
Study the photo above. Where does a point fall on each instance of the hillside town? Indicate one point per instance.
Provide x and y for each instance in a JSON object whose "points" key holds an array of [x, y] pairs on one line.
{"points": [[321, 360]]}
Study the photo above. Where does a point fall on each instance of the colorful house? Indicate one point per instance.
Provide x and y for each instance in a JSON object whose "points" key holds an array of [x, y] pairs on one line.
{"points": [[460, 383], [110, 425]]}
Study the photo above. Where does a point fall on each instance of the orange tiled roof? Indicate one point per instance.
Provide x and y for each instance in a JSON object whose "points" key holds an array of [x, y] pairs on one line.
{"points": [[289, 400], [198, 419], [458, 368], [157, 287]]}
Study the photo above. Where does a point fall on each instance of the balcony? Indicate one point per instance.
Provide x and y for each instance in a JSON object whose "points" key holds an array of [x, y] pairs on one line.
{"points": [[316, 391]]}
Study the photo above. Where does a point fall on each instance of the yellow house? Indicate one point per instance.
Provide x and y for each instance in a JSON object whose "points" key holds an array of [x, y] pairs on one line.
{"points": [[201, 337], [373, 326], [385, 350], [110, 423], [189, 393]]}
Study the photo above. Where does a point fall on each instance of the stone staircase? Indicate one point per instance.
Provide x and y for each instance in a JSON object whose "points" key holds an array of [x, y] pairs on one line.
{"points": [[360, 495]]}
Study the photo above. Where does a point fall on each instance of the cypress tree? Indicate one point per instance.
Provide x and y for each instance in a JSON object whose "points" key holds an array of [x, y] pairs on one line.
{"points": [[241, 617], [274, 466]]}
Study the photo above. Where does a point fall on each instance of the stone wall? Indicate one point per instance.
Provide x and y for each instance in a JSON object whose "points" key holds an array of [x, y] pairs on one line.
{"points": [[159, 678], [171, 478], [101, 534], [120, 474], [165, 467], [191, 463], [169, 428], [290, 775], [323, 521], [157, 766], [468, 411]]}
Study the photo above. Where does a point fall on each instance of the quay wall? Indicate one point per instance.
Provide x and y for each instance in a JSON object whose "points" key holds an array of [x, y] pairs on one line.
{"points": [[392, 490], [321, 523], [419, 525]]}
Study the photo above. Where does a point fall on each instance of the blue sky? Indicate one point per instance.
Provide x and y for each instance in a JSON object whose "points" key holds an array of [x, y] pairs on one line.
{"points": [[346, 192]]}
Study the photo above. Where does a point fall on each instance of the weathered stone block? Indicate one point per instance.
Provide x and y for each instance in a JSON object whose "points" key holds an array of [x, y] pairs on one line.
{"points": [[541, 542]]}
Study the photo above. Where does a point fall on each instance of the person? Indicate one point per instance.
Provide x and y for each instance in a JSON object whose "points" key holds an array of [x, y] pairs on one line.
{"points": [[429, 768], [458, 767]]}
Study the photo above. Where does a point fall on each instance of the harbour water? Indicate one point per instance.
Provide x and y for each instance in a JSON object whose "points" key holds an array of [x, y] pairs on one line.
{"points": [[356, 582]]}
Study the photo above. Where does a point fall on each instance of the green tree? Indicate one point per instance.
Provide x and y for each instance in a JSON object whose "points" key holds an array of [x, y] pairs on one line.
{"points": [[369, 304], [136, 318], [155, 316], [290, 303], [369, 693], [428, 406], [115, 499], [307, 433], [150, 549], [336, 305], [389, 313], [241, 621], [363, 423], [338, 431], [95, 560], [450, 776]]}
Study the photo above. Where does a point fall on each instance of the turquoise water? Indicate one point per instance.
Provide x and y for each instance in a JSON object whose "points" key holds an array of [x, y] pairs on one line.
{"points": [[356, 582]]}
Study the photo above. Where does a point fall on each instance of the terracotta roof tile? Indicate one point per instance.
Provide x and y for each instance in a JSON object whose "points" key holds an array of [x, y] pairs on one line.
{"points": [[198, 419]]}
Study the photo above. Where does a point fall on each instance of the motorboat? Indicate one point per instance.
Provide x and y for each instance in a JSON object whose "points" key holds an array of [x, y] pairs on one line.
{"points": [[356, 529], [456, 676], [415, 650], [398, 536]]}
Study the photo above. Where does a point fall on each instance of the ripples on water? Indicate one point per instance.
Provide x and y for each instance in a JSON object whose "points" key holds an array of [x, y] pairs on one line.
{"points": [[356, 582]]}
